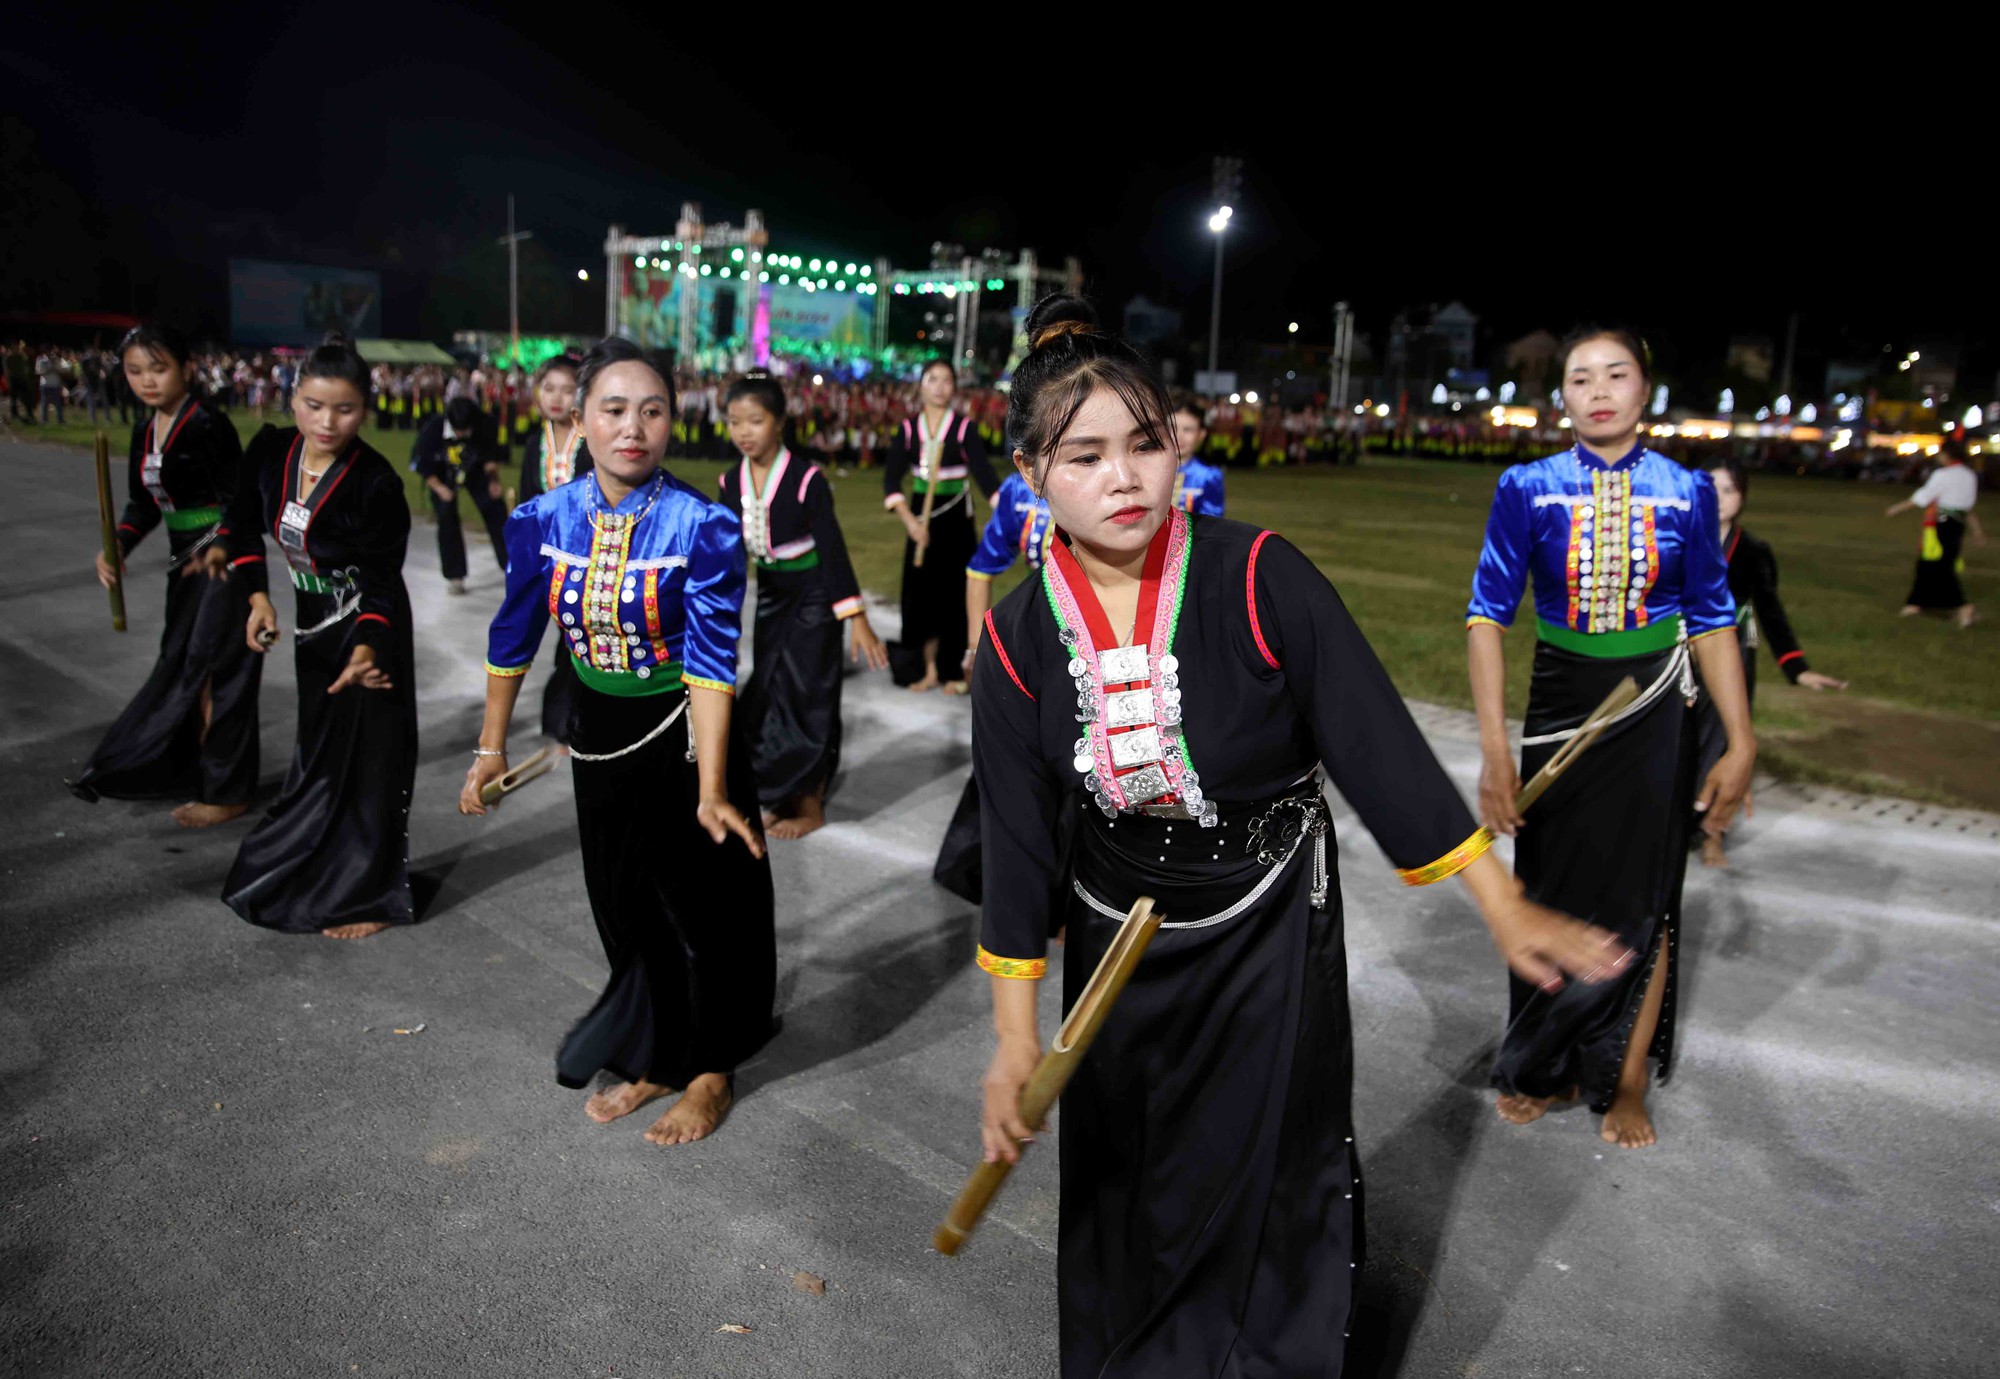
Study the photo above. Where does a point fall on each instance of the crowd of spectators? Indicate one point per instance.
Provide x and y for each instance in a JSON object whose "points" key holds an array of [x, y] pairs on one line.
{"points": [[849, 422]]}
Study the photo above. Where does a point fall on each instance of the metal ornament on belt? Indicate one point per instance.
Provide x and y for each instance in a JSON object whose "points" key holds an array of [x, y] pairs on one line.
{"points": [[1277, 832], [344, 588]]}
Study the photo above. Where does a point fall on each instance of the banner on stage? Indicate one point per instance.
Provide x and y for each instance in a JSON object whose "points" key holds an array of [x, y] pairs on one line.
{"points": [[298, 303]]}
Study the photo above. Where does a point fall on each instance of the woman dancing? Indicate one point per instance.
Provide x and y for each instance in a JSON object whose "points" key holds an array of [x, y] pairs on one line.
{"points": [[332, 856], [806, 591], [553, 455], [942, 452], [1946, 499], [1626, 555], [644, 576], [1210, 1189], [1760, 617], [192, 728]]}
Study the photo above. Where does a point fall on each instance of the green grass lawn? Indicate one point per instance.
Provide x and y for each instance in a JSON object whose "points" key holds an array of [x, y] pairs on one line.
{"points": [[1399, 539]]}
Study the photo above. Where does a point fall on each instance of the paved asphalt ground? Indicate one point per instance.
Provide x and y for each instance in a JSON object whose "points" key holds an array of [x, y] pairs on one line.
{"points": [[221, 1159]]}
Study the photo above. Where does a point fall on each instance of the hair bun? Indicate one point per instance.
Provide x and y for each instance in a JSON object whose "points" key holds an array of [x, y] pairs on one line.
{"points": [[1059, 315], [336, 339]]}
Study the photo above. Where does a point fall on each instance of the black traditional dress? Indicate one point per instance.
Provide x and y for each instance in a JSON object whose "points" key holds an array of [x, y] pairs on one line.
{"points": [[949, 460], [182, 475], [1211, 1201], [468, 463], [1627, 562], [648, 597], [1946, 498], [546, 466], [334, 849], [805, 590], [1760, 618]]}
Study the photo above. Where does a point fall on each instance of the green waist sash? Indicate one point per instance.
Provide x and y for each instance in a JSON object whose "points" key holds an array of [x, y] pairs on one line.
{"points": [[1638, 641], [192, 519], [808, 561], [945, 488], [665, 679], [311, 583]]}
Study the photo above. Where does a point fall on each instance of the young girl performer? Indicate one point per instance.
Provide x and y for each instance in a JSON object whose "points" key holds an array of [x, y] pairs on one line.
{"points": [[332, 856], [644, 576], [1197, 484], [1946, 498], [1210, 1197], [805, 590], [192, 728], [1753, 583], [555, 454], [1629, 580], [943, 451]]}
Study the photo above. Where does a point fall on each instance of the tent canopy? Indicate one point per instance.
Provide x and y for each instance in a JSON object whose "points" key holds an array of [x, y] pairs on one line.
{"points": [[402, 352]]}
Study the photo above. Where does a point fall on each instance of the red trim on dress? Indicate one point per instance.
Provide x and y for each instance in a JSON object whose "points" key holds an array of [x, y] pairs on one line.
{"points": [[1250, 601], [993, 635], [366, 616], [1734, 537], [1790, 656]]}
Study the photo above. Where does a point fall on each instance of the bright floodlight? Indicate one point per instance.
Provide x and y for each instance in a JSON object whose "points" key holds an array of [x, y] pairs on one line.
{"points": [[1216, 222], [583, 275], [1225, 211], [1293, 328], [1249, 397]]}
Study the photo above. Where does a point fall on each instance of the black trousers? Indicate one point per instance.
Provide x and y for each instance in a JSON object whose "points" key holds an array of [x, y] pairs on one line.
{"points": [[451, 534]]}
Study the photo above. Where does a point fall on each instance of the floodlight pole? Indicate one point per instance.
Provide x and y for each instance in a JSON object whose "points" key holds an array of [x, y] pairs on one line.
{"points": [[512, 239]]}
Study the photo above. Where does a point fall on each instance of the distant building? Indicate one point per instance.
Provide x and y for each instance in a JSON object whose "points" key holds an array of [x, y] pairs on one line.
{"points": [[1750, 356], [1149, 323], [1422, 354], [1531, 364]]}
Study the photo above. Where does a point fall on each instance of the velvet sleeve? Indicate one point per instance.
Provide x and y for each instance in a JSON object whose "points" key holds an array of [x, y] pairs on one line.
{"points": [[973, 447], [1210, 502], [1377, 757], [515, 634], [896, 466], [1019, 804], [1501, 577], [531, 466], [246, 521], [713, 601], [1771, 619], [384, 541], [1002, 537], [142, 513], [831, 543], [1706, 602]]}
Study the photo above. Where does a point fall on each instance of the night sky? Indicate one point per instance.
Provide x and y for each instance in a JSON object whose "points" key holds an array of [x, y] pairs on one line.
{"points": [[388, 137]]}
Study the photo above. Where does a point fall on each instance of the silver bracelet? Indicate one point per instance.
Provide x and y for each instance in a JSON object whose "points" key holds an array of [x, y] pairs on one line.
{"points": [[489, 752]]}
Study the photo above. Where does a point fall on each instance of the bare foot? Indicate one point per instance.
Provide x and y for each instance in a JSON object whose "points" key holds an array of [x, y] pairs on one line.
{"points": [[810, 817], [1626, 1124], [1712, 854], [1516, 1109], [1910, 610], [1967, 616], [929, 682], [956, 687], [365, 930], [772, 819], [695, 1116], [622, 1100], [197, 815]]}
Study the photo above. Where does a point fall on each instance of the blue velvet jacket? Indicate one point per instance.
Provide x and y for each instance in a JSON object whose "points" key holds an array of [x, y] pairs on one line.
{"points": [[1612, 545], [1198, 488], [1020, 525], [648, 595]]}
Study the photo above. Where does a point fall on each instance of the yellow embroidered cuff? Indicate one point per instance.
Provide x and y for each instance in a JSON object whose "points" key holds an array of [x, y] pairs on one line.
{"points": [[1451, 864], [971, 573], [505, 671], [1476, 619], [696, 680], [1713, 631], [1028, 968], [847, 608]]}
